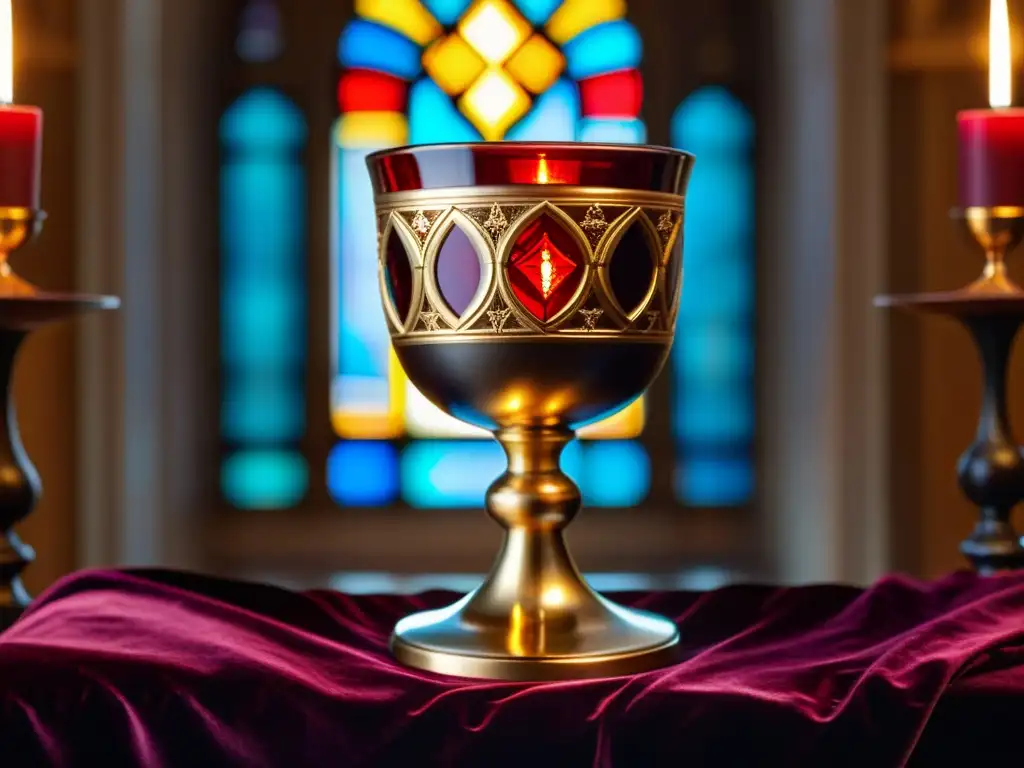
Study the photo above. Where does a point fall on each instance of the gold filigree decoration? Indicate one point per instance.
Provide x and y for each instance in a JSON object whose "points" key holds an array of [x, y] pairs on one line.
{"points": [[498, 318], [594, 223], [496, 222], [420, 224], [590, 318], [652, 320], [432, 320], [665, 225]]}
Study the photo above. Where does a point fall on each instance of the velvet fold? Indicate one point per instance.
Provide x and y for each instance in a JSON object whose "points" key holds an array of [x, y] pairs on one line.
{"points": [[155, 668]]}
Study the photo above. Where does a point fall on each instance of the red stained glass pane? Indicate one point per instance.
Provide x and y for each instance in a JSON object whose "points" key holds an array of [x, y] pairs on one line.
{"points": [[363, 90], [442, 166], [617, 94], [545, 267], [631, 269], [458, 271], [398, 275]]}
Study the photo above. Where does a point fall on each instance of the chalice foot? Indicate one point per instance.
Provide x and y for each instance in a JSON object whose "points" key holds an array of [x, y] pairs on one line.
{"points": [[535, 617]]}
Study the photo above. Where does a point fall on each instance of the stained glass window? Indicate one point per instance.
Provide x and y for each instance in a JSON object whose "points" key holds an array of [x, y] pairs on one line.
{"points": [[439, 71], [427, 71]]}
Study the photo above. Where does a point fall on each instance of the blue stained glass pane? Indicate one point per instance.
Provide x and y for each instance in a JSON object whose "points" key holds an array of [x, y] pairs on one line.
{"points": [[449, 474], [265, 479], [447, 11], [715, 482], [260, 120], [713, 412], [612, 131], [262, 409], [718, 283], [363, 474], [715, 120], [615, 474], [720, 351], [260, 322], [434, 118], [361, 361], [366, 45], [607, 47], [537, 11], [714, 355], [553, 117]]}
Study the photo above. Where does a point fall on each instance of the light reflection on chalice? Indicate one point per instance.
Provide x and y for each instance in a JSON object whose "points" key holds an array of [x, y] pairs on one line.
{"points": [[531, 289]]}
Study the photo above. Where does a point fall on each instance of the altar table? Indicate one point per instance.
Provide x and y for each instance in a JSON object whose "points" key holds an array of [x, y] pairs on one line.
{"points": [[154, 668]]}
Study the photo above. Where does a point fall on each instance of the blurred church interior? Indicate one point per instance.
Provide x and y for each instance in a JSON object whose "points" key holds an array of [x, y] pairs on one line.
{"points": [[243, 414]]}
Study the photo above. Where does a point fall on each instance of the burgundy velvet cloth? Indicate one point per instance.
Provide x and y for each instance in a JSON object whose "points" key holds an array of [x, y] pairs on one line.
{"points": [[163, 669]]}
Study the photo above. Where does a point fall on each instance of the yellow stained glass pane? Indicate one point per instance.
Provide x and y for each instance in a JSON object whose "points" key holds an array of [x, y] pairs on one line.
{"points": [[575, 16], [424, 419], [493, 103], [495, 29], [624, 425], [372, 129], [452, 64], [376, 425], [537, 64], [406, 16]]}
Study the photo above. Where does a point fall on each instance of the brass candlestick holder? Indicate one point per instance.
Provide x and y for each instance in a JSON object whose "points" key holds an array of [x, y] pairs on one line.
{"points": [[991, 470], [23, 308], [531, 289]]}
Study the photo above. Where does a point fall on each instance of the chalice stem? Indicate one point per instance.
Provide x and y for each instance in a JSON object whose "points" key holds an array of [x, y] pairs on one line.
{"points": [[991, 471], [534, 578]]}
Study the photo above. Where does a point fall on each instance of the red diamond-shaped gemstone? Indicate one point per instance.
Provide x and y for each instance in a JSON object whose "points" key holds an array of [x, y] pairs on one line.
{"points": [[545, 267]]}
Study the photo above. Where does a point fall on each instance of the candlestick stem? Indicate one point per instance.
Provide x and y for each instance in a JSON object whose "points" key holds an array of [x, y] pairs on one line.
{"points": [[991, 470], [19, 489]]}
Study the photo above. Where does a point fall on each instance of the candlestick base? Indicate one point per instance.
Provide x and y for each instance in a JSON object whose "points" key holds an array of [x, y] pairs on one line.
{"points": [[20, 486]]}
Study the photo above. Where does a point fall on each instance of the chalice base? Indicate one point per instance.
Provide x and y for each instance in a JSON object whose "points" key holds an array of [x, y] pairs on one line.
{"points": [[535, 626]]}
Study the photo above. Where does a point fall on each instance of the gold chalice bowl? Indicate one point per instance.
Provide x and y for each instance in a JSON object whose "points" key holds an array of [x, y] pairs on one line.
{"points": [[531, 289]]}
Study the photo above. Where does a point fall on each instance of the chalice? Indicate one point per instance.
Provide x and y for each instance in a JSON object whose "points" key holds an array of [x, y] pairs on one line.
{"points": [[531, 289]]}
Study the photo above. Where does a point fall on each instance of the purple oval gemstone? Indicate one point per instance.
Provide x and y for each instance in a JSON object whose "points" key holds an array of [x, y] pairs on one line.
{"points": [[457, 270]]}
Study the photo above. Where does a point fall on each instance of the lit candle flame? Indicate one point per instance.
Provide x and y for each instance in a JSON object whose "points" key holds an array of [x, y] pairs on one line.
{"points": [[542, 170], [547, 272], [1000, 67]]}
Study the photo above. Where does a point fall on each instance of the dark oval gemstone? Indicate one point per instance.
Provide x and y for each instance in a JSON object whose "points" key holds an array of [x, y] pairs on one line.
{"points": [[457, 270], [398, 275], [545, 267], [631, 268]]}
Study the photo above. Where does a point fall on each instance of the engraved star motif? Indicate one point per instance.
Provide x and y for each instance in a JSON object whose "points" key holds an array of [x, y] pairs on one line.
{"points": [[590, 318], [498, 318], [652, 320], [594, 222], [496, 222], [420, 223], [665, 224], [431, 320]]}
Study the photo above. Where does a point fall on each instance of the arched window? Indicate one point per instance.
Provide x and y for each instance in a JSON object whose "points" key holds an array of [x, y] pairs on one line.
{"points": [[441, 71]]}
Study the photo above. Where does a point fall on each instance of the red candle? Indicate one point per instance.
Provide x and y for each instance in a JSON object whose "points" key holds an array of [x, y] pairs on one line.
{"points": [[991, 157], [21, 131]]}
